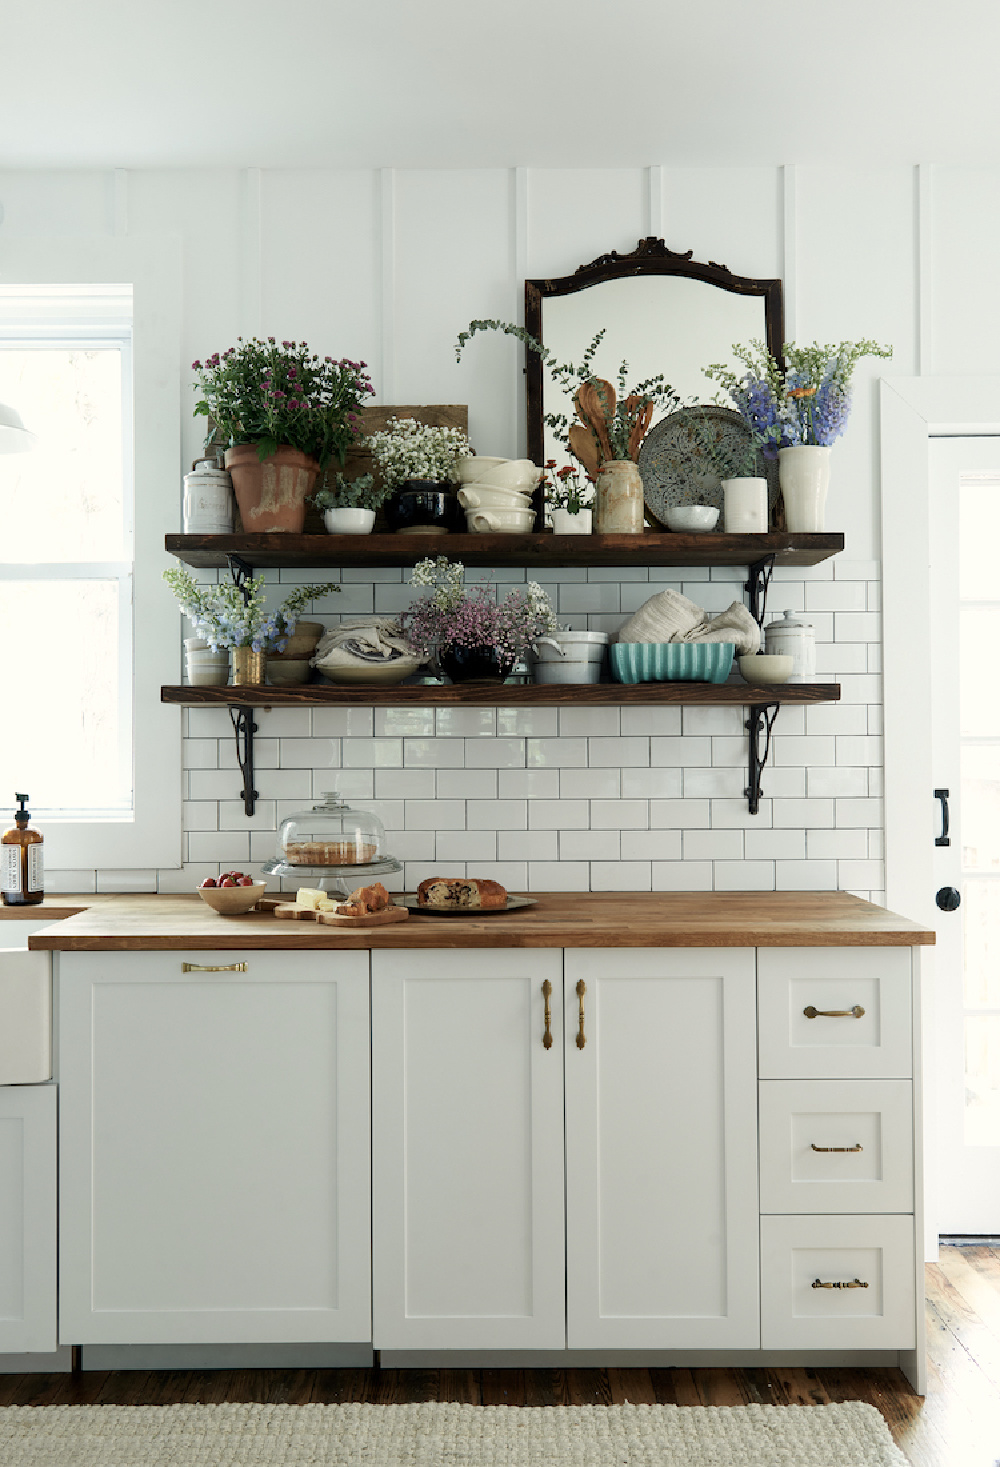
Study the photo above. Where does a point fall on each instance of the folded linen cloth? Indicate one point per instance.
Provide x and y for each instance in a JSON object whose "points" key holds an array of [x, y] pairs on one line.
{"points": [[671, 617], [370, 640]]}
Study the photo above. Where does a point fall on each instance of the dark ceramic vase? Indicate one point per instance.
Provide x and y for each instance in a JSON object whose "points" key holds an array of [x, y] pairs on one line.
{"points": [[474, 664], [421, 506]]}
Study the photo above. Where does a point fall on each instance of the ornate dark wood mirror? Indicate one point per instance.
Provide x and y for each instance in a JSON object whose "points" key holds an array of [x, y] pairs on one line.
{"points": [[662, 312]]}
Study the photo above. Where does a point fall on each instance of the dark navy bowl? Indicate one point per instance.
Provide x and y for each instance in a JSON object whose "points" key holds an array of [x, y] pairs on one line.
{"points": [[423, 505]]}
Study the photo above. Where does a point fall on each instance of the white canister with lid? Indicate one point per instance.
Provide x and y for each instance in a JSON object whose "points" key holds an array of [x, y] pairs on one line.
{"points": [[208, 501], [787, 637]]}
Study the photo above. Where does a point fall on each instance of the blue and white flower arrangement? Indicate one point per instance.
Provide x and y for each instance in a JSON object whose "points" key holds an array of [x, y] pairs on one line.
{"points": [[225, 619]]}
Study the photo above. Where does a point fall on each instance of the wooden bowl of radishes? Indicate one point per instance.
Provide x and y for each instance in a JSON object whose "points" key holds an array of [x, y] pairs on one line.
{"points": [[233, 894]]}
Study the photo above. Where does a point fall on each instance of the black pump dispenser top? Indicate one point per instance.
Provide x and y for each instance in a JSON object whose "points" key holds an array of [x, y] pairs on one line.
{"points": [[21, 815]]}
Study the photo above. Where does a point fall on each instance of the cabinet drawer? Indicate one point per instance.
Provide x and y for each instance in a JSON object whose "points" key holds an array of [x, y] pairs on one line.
{"points": [[800, 1254], [836, 1146], [832, 1013]]}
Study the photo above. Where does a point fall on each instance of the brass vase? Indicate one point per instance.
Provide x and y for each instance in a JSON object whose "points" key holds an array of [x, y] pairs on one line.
{"points": [[246, 666]]}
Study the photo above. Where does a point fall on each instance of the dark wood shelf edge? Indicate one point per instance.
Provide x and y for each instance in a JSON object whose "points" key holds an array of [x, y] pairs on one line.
{"points": [[654, 548], [489, 695]]}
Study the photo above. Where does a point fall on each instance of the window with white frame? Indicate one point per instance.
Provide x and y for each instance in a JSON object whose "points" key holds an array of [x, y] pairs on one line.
{"points": [[67, 551]]}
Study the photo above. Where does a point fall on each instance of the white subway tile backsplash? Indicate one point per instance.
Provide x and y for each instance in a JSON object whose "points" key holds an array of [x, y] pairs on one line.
{"points": [[836, 845], [681, 752], [657, 721], [589, 722], [836, 718], [465, 784], [434, 753], [621, 876], [511, 874], [433, 814], [353, 784], [856, 626], [283, 723], [405, 784], [404, 722], [682, 875], [859, 812], [169, 882], [559, 815], [558, 876], [529, 784], [199, 815], [785, 784], [466, 723], [466, 845], [807, 813], [650, 845], [650, 784], [604, 596], [866, 750], [200, 754], [590, 845], [837, 660], [619, 814], [713, 845], [497, 814], [853, 874], [591, 784], [678, 814], [233, 816], [735, 815], [808, 750], [528, 845], [618, 753], [744, 875], [335, 723], [309, 753], [771, 845], [227, 845], [372, 753], [525, 723], [712, 721], [411, 845], [494, 753], [849, 781], [208, 723], [556, 753], [265, 753], [714, 783], [214, 784], [805, 875]]}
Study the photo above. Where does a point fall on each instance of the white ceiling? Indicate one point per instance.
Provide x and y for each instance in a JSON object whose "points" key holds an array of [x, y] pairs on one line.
{"points": [[448, 83]]}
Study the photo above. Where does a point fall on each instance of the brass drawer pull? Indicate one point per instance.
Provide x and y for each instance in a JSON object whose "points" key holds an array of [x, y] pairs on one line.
{"points": [[859, 1147], [547, 1036], [856, 1013], [854, 1284], [213, 968], [581, 1038]]}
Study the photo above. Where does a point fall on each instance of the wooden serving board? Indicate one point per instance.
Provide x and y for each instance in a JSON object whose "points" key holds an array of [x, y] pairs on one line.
{"points": [[330, 919]]}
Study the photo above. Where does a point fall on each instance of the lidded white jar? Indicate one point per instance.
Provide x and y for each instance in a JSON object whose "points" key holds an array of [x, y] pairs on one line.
{"points": [[787, 637], [208, 501]]}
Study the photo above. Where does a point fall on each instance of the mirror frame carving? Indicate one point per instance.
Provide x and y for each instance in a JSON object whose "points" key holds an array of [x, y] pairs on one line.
{"points": [[651, 256]]}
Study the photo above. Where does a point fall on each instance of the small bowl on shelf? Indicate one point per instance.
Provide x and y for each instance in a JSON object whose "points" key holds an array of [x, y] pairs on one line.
{"points": [[763, 669], [693, 518], [287, 672], [232, 901], [471, 465]]}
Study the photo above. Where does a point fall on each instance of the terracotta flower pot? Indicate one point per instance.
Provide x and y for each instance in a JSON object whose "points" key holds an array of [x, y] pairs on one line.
{"points": [[271, 493]]}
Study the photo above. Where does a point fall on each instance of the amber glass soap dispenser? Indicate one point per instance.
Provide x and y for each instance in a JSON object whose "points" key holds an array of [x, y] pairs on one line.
{"points": [[21, 876]]}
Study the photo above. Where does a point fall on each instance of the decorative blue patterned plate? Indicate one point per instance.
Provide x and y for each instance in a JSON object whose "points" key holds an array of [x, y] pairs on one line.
{"points": [[671, 662]]}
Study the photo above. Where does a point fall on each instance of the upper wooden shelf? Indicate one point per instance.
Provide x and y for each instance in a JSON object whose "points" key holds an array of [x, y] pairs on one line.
{"points": [[651, 548], [500, 695]]}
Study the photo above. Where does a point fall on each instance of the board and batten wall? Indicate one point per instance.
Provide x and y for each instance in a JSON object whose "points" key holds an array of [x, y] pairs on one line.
{"points": [[388, 266]]}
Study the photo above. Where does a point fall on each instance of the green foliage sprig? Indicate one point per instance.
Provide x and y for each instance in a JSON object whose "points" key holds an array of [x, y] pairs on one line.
{"points": [[359, 493]]}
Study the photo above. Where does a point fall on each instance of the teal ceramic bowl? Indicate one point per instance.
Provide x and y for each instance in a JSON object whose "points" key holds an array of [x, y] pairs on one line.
{"points": [[671, 662]]}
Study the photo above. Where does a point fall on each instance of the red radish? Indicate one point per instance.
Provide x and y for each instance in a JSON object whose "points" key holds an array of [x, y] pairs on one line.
{"points": [[227, 881], [245, 881]]}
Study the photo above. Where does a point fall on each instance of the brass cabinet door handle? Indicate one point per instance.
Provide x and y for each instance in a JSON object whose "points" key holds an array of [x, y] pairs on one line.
{"points": [[213, 967], [856, 1013], [859, 1147], [854, 1284], [581, 1038], [547, 1036]]}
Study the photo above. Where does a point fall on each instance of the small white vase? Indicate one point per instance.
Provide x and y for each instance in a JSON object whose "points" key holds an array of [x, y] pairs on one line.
{"points": [[349, 521], [745, 506], [804, 476], [564, 523]]}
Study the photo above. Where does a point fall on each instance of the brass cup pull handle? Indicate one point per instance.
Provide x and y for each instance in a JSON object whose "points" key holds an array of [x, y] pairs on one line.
{"points": [[547, 1036], [581, 1038], [213, 967], [859, 1147], [854, 1284], [856, 1013]]}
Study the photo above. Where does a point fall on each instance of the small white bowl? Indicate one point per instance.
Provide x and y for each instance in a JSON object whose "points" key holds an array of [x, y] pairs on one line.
{"points": [[499, 521], [517, 473], [345, 520], [471, 466], [691, 517], [486, 496], [763, 669]]}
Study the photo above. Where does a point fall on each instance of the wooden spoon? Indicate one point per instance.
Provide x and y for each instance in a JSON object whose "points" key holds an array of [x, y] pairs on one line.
{"points": [[585, 446], [591, 406]]}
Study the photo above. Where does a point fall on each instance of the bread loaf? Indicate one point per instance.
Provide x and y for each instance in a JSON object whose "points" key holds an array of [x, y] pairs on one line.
{"points": [[365, 900], [460, 891]]}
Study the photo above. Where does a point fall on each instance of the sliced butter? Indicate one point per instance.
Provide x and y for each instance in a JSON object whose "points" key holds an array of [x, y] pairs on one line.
{"points": [[311, 897]]}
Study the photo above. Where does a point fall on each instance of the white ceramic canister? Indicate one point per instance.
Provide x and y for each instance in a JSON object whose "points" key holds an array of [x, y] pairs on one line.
{"points": [[787, 637], [745, 506], [208, 501]]}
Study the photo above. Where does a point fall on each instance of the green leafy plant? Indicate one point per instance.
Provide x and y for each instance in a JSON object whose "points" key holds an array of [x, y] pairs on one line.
{"points": [[359, 493], [262, 393], [222, 616]]}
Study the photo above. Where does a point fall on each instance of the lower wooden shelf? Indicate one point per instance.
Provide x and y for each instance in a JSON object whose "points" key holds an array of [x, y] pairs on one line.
{"points": [[501, 695]]}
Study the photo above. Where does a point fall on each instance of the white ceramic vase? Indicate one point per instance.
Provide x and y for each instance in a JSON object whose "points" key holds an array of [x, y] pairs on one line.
{"points": [[349, 521], [564, 523], [804, 476], [745, 506]]}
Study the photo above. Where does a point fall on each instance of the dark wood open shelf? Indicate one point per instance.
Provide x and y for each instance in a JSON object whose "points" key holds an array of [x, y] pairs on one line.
{"points": [[501, 695], [652, 548]]}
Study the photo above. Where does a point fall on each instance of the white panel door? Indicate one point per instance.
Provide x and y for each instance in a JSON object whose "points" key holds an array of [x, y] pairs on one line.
{"points": [[467, 1131], [661, 1149], [214, 1148], [27, 1218]]}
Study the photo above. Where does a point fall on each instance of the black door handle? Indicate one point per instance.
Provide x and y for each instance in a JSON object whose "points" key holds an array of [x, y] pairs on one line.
{"points": [[943, 839], [948, 898]]}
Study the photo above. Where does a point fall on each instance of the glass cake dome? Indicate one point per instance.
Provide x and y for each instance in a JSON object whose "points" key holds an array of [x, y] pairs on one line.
{"points": [[331, 834]]}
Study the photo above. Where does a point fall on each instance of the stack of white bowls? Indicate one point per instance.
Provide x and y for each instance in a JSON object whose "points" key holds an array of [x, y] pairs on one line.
{"points": [[496, 494], [206, 666], [208, 500]]}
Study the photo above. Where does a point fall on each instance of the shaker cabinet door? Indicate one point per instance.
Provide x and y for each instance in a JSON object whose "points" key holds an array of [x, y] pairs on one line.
{"points": [[214, 1148], [27, 1218], [661, 1149], [467, 1128]]}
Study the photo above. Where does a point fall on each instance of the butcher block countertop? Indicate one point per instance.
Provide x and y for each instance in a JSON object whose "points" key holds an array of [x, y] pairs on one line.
{"points": [[560, 919]]}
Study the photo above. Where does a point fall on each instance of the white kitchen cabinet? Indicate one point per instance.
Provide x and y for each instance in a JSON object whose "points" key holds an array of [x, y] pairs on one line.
{"points": [[215, 1147], [27, 1218], [661, 1149], [468, 1241]]}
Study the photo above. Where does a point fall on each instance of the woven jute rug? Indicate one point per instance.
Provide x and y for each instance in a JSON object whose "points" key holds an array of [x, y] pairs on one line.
{"points": [[438, 1435]]}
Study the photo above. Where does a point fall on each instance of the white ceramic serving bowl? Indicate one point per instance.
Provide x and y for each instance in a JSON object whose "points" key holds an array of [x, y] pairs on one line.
{"points": [[232, 901], [499, 521], [471, 466], [691, 517], [348, 521], [486, 496], [763, 669], [516, 473]]}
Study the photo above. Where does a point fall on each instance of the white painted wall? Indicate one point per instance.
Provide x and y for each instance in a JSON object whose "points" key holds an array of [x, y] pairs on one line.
{"points": [[389, 266]]}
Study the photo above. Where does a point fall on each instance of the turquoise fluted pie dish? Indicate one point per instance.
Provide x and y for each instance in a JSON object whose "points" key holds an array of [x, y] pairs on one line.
{"points": [[671, 662]]}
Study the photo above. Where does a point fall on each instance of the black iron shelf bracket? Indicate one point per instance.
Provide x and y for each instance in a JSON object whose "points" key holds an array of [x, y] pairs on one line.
{"points": [[244, 728], [756, 586], [759, 726], [242, 573]]}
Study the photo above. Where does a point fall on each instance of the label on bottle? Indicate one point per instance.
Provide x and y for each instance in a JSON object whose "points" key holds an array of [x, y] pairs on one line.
{"points": [[10, 870], [36, 865]]}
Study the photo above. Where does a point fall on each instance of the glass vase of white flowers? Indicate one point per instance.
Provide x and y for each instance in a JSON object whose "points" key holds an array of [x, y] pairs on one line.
{"points": [[418, 463]]}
